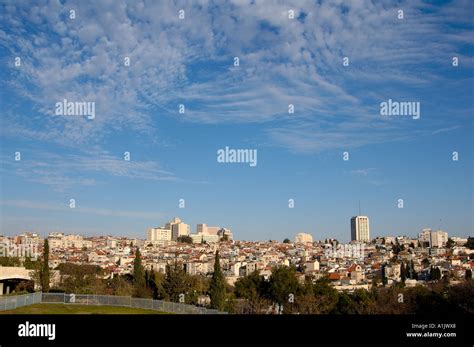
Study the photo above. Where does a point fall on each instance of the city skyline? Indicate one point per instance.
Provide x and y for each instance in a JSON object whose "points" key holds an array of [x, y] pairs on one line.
{"points": [[168, 232], [164, 102]]}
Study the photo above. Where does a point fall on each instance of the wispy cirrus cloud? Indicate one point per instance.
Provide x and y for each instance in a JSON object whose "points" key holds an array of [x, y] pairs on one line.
{"points": [[370, 175], [51, 206], [283, 61], [62, 172], [444, 130], [363, 172]]}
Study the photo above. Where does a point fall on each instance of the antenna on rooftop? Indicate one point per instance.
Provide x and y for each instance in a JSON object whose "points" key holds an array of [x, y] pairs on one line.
{"points": [[359, 208]]}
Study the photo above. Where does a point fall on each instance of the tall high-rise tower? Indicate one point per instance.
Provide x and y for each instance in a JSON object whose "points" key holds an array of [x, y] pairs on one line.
{"points": [[360, 229]]}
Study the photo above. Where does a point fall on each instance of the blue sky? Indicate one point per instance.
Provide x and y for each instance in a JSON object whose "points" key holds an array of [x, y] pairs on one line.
{"points": [[282, 61]]}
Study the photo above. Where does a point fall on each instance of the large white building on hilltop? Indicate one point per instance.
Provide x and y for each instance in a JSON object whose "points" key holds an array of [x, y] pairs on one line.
{"points": [[210, 234], [60, 240], [303, 238], [430, 238], [424, 237], [439, 238], [360, 230], [179, 229], [158, 234], [170, 232]]}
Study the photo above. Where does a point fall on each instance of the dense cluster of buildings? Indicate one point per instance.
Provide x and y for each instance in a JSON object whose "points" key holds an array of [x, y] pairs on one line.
{"points": [[357, 264], [175, 228]]}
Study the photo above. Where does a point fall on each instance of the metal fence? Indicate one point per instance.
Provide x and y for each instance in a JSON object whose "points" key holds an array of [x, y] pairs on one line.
{"points": [[12, 302]]}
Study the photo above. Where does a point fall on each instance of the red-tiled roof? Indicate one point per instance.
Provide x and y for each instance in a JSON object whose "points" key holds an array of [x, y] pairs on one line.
{"points": [[334, 276]]}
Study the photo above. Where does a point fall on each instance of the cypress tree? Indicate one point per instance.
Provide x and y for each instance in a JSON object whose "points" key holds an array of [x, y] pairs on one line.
{"points": [[152, 283], [413, 274], [384, 276], [468, 275], [217, 286], [403, 274], [44, 274], [138, 273]]}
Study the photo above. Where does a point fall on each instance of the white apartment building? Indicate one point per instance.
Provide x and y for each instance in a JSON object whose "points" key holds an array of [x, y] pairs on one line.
{"points": [[198, 238], [171, 231], [393, 271], [311, 266], [28, 238], [252, 266], [197, 268], [201, 229], [225, 232], [210, 234], [179, 229], [360, 230], [55, 240], [438, 238], [205, 229], [303, 238], [430, 238], [159, 234], [170, 224], [425, 237], [72, 241]]}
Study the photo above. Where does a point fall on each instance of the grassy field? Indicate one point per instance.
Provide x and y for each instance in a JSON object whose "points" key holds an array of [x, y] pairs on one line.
{"points": [[77, 309]]}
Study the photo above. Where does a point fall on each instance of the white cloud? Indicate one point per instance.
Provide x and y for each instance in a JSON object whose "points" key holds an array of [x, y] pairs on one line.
{"points": [[62, 172], [363, 172], [50, 206], [282, 61]]}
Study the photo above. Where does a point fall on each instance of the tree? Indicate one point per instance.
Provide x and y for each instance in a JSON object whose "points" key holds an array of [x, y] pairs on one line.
{"points": [[139, 279], [151, 278], [282, 283], [411, 270], [224, 238], [435, 273], [29, 264], [396, 248], [425, 262], [254, 289], [384, 276], [250, 286], [81, 278], [345, 305], [10, 261], [468, 275], [326, 296], [217, 290], [185, 239], [450, 243], [44, 274], [470, 243], [403, 274], [286, 241], [176, 282], [120, 286]]}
